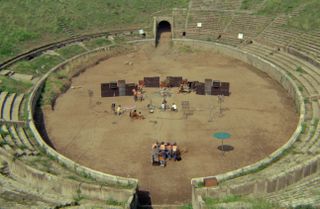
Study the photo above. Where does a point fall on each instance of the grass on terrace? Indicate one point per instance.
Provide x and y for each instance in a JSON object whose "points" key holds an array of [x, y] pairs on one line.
{"points": [[95, 43], [37, 66], [27, 24], [307, 19], [70, 51], [13, 86]]}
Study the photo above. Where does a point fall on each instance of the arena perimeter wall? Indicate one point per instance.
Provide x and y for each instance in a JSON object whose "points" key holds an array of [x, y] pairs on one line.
{"points": [[197, 192], [253, 187]]}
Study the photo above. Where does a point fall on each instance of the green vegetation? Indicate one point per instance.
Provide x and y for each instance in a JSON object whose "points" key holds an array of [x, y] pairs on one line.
{"points": [[42, 163], [27, 24], [250, 4], [309, 17], [56, 84], [113, 202], [300, 70], [70, 51], [95, 43], [187, 206], [37, 66], [213, 203], [13, 86], [274, 7], [304, 207], [78, 196], [303, 128]]}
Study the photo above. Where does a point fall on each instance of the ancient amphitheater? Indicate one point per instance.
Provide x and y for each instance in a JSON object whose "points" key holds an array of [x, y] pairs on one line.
{"points": [[38, 172]]}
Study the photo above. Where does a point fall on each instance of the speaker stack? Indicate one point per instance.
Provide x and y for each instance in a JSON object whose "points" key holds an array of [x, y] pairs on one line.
{"points": [[207, 86], [122, 87], [174, 81], [215, 89], [200, 88], [109, 90], [225, 88], [152, 82], [129, 88]]}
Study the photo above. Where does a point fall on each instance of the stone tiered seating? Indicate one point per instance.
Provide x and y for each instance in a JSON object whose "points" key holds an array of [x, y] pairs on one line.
{"points": [[16, 107], [304, 193], [6, 114], [3, 97], [308, 78], [276, 34], [217, 4], [250, 26], [213, 24], [309, 44]]}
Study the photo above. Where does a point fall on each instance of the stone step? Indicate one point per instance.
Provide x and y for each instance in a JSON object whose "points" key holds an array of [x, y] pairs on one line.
{"points": [[3, 97], [8, 137], [16, 107], [285, 66], [15, 137], [24, 139], [8, 107]]}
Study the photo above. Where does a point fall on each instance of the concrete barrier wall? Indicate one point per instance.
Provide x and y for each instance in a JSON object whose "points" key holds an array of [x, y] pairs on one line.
{"points": [[81, 170], [275, 73]]}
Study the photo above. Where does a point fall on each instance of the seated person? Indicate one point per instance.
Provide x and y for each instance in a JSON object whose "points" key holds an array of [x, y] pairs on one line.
{"points": [[135, 97], [174, 107], [113, 107], [175, 151], [169, 150], [134, 114], [140, 96], [162, 159], [119, 110], [162, 146]]}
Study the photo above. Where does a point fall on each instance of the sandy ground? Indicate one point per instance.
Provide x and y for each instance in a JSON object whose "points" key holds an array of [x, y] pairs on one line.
{"points": [[259, 115]]}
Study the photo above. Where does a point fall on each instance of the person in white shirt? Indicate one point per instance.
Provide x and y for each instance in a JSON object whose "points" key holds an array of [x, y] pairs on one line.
{"points": [[174, 107]]}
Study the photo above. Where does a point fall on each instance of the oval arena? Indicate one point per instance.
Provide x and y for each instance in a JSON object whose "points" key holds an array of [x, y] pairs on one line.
{"points": [[62, 144]]}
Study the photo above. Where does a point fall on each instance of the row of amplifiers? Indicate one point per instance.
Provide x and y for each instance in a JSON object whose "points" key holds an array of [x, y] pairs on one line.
{"points": [[119, 88], [170, 81], [210, 87]]}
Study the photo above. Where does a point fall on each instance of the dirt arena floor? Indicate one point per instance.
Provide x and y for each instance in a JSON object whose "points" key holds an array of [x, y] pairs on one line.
{"points": [[259, 115]]}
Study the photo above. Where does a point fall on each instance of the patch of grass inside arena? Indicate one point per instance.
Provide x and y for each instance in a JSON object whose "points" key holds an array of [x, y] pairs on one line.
{"points": [[95, 43], [70, 51], [37, 66], [13, 86]]}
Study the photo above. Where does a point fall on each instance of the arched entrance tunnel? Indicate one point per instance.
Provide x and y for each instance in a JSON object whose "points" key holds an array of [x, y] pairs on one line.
{"points": [[163, 31]]}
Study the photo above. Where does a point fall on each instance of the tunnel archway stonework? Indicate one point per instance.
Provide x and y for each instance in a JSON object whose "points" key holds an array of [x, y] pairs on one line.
{"points": [[158, 20]]}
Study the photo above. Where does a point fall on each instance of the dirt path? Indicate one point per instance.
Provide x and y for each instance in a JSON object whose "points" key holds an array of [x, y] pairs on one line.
{"points": [[259, 115]]}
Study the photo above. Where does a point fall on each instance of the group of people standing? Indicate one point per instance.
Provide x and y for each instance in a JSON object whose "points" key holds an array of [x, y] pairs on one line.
{"points": [[161, 152]]}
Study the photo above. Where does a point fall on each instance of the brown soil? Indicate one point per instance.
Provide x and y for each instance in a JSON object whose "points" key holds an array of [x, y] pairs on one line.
{"points": [[259, 115]]}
